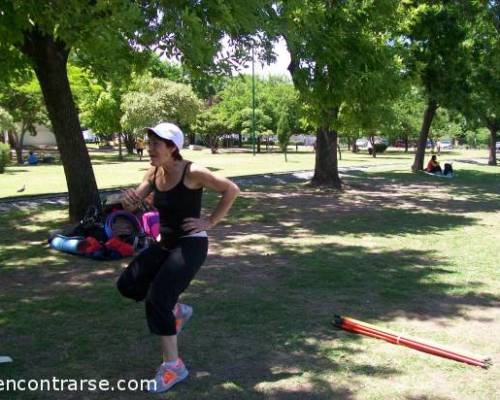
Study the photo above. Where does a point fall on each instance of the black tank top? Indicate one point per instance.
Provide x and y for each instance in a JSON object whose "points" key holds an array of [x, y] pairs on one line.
{"points": [[174, 206]]}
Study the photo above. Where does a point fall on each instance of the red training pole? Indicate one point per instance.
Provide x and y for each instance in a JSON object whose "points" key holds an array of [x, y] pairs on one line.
{"points": [[411, 343], [392, 337]]}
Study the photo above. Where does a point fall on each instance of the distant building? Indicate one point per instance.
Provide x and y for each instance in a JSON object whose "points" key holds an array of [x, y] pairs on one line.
{"points": [[43, 137]]}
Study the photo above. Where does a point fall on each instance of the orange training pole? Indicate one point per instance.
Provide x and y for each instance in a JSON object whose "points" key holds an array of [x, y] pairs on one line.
{"points": [[366, 329]]}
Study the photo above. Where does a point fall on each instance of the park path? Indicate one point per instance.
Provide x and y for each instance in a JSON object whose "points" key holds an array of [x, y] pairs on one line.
{"points": [[278, 178]]}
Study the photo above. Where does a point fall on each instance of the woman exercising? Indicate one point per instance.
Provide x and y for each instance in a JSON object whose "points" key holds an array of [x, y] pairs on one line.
{"points": [[163, 271]]}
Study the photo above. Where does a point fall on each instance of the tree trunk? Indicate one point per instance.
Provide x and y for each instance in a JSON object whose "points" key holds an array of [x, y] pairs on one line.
{"points": [[120, 153], [129, 140], [19, 148], [213, 142], [258, 144], [406, 143], [19, 154], [49, 57], [16, 143], [492, 159], [326, 171], [430, 111], [12, 139], [240, 141], [340, 152]]}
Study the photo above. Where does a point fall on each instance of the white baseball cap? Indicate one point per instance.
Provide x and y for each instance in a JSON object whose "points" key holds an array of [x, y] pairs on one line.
{"points": [[169, 131]]}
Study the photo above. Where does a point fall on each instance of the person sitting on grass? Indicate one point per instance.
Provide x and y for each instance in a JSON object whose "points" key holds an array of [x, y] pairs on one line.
{"points": [[433, 166], [32, 159]]}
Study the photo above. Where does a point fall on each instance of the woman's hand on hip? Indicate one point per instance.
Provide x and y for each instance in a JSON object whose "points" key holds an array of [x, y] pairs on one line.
{"points": [[195, 225]]}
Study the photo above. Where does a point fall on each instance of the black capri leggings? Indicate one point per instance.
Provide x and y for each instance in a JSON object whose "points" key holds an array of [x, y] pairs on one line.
{"points": [[159, 276]]}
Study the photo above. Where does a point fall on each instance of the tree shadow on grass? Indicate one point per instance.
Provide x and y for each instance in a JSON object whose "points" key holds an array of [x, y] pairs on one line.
{"points": [[471, 191], [260, 319], [471, 183], [390, 222], [475, 162], [13, 170], [246, 342], [285, 310]]}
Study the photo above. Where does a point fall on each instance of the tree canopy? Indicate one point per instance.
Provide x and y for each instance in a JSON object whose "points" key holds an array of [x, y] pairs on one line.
{"points": [[483, 108], [341, 61], [155, 99], [110, 38], [434, 49]]}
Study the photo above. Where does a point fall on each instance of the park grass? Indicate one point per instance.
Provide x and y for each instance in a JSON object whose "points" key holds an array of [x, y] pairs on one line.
{"points": [[409, 252], [112, 173]]}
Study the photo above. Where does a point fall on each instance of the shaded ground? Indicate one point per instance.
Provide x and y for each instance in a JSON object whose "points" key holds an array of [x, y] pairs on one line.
{"points": [[395, 249]]}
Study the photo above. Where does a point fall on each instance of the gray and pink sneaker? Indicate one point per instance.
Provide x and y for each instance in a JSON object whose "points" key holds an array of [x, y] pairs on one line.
{"points": [[166, 377], [182, 314]]}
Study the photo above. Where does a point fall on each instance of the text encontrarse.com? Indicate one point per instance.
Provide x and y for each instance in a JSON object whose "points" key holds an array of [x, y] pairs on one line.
{"points": [[73, 385]]}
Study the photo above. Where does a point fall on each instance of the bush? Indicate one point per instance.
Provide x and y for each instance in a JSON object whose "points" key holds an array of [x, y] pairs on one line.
{"points": [[380, 147], [4, 156]]}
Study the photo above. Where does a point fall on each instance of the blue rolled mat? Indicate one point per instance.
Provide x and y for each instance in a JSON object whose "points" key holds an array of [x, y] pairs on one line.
{"points": [[67, 244]]}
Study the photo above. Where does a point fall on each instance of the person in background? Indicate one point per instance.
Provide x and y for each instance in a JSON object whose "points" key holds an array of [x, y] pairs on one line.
{"points": [[32, 159], [139, 147], [433, 166]]}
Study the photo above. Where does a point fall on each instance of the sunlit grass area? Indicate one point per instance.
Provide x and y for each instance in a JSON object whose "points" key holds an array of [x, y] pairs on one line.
{"points": [[112, 173]]}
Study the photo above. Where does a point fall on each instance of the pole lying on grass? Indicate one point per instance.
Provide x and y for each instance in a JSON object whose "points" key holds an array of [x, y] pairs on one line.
{"points": [[353, 325]]}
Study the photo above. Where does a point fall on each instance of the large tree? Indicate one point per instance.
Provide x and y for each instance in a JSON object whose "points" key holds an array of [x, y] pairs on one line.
{"points": [[341, 57], [152, 100], [484, 106], [6, 121], [434, 51], [103, 114], [405, 118], [42, 34], [110, 36], [272, 95], [23, 101], [211, 125]]}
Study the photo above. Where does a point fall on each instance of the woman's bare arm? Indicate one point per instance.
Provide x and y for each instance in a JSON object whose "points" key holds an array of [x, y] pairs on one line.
{"points": [[131, 198], [202, 177]]}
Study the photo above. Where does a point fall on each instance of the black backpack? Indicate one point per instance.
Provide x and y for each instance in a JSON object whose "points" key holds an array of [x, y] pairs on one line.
{"points": [[92, 224], [448, 169]]}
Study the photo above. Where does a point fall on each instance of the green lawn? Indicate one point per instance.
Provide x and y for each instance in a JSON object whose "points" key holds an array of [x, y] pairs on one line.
{"points": [[410, 252], [111, 173]]}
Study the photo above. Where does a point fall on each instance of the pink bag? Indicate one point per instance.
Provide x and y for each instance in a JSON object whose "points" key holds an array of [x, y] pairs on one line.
{"points": [[151, 224]]}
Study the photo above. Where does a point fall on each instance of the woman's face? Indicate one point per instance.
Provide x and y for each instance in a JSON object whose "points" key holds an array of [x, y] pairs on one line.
{"points": [[159, 152]]}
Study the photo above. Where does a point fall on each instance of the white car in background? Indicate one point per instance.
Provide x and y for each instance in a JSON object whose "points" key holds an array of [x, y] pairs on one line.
{"points": [[362, 143], [89, 136], [446, 144]]}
